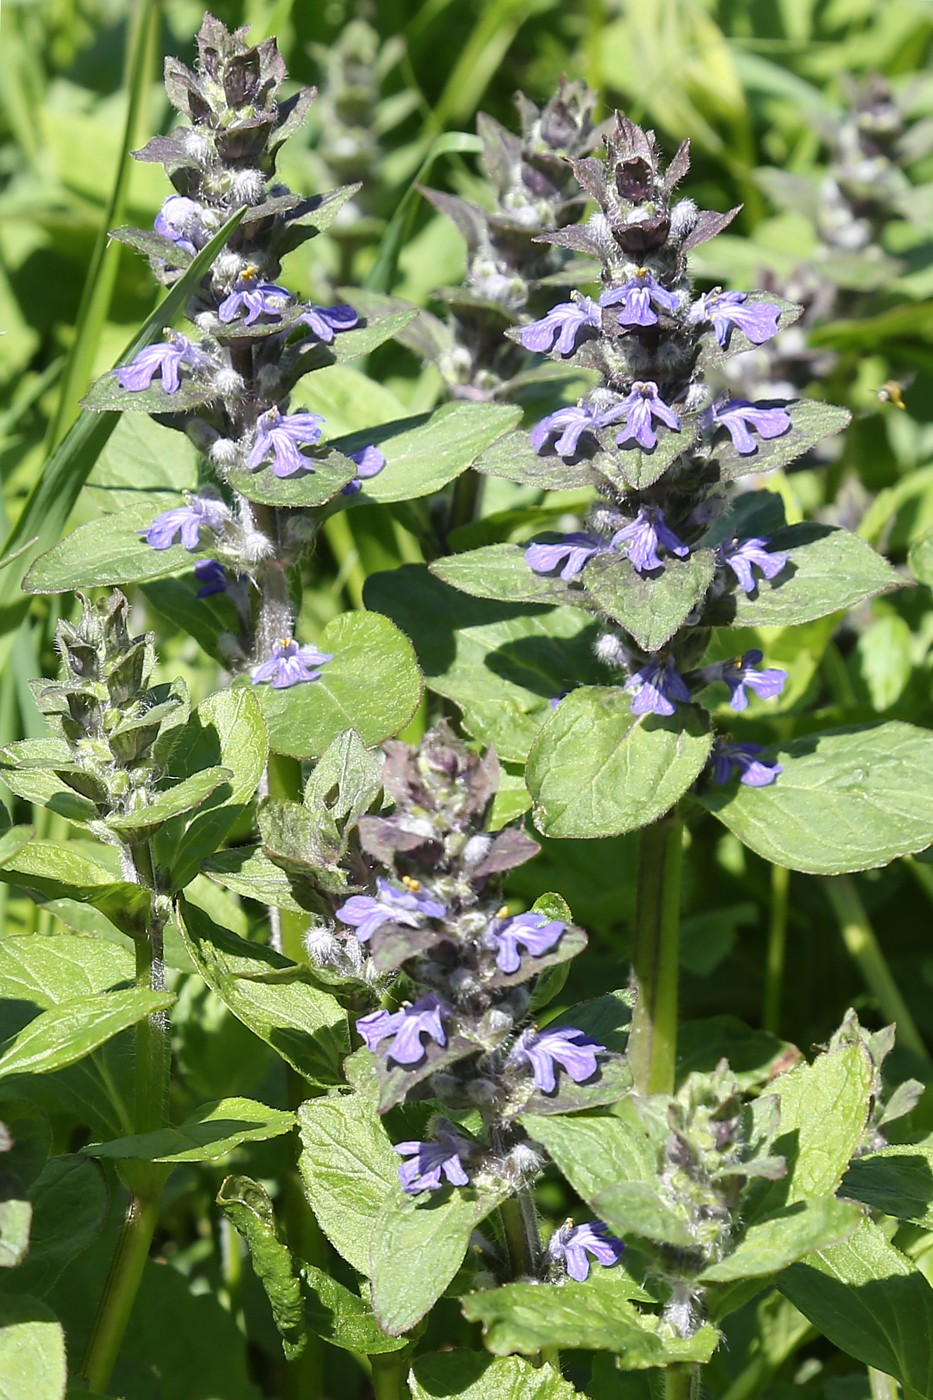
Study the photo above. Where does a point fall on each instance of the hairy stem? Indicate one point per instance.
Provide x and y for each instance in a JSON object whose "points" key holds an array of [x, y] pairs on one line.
{"points": [[865, 951], [682, 1383], [777, 948], [653, 1040]]}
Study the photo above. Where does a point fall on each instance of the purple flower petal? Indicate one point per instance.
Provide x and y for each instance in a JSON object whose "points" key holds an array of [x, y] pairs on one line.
{"points": [[641, 407], [535, 933], [658, 688], [565, 1047], [290, 664], [738, 417], [571, 553], [645, 534], [571, 1243], [757, 320], [742, 556], [562, 326], [728, 757]]}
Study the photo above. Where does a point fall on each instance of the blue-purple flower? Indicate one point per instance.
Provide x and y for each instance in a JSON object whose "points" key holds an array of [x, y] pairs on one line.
{"points": [[212, 576], [569, 553], [739, 673], [571, 1243], [638, 297], [165, 360], [405, 1027], [658, 688], [327, 321], [727, 758], [411, 906], [571, 423], [201, 513], [284, 434], [645, 534], [738, 416], [258, 298], [560, 328], [180, 220], [432, 1161], [369, 462], [640, 408], [566, 1047], [742, 556], [533, 933], [757, 320], [290, 664]]}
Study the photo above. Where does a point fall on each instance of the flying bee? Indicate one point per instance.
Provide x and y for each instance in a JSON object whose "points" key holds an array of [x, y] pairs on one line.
{"points": [[893, 390]]}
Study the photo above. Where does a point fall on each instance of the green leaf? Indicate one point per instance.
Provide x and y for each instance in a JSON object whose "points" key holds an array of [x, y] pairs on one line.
{"points": [[327, 474], [849, 799], [372, 685], [343, 1318], [346, 780], [596, 769], [823, 1112], [632, 467], [248, 871], [303, 1024], [920, 558], [25, 1141], [248, 1208], [425, 453], [20, 771], [650, 609], [514, 459], [106, 395], [502, 663], [73, 1029], [226, 729], [436, 1234], [170, 802], [811, 421], [781, 1239], [12, 842], [54, 871], [593, 1151], [69, 1203], [753, 1055], [871, 1302], [897, 1180], [596, 1315], [349, 345], [471, 1376], [348, 1169], [828, 570], [213, 1131], [637, 1208], [500, 571], [32, 1351]]}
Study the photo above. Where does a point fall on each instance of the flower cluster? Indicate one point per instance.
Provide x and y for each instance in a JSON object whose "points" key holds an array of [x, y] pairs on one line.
{"points": [[458, 974], [229, 385], [533, 190], [657, 441]]}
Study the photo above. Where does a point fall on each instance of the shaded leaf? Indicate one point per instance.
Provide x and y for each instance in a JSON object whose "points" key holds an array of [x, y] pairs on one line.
{"points": [[214, 1130], [247, 1206]]}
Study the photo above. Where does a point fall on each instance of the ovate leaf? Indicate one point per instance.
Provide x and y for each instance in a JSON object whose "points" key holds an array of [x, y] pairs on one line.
{"points": [[850, 799], [781, 1239], [73, 1029], [111, 551], [471, 1376], [214, 1130], [598, 770], [32, 1351]]}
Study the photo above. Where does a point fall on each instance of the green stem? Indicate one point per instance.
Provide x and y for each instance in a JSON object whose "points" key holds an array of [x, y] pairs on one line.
{"points": [[390, 1371], [153, 1069], [116, 1304], [653, 1040], [865, 951], [777, 948], [883, 1386], [682, 1383], [520, 1227]]}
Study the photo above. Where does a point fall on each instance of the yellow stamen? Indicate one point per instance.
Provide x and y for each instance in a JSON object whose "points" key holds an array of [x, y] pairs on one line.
{"points": [[502, 912], [642, 272], [285, 641], [411, 884], [249, 273]]}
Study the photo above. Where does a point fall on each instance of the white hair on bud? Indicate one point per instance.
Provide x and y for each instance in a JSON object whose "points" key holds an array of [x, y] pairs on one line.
{"points": [[256, 546], [225, 452], [697, 397], [322, 946], [611, 650], [605, 520], [523, 1162], [248, 186], [683, 218], [463, 982], [198, 145], [476, 849], [228, 383], [206, 321], [227, 268]]}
